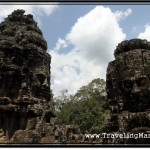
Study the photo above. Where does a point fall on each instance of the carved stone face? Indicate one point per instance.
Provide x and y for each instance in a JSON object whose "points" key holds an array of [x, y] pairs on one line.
{"points": [[41, 84], [136, 90], [40, 87], [133, 80]]}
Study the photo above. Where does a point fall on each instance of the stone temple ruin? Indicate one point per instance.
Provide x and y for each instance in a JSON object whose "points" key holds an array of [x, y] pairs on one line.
{"points": [[26, 107], [128, 91], [27, 113]]}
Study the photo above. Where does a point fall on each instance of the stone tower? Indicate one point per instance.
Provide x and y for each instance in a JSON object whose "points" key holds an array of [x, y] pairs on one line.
{"points": [[128, 91], [25, 95]]}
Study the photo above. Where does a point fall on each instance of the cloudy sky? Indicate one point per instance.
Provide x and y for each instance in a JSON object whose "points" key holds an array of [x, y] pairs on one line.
{"points": [[82, 38]]}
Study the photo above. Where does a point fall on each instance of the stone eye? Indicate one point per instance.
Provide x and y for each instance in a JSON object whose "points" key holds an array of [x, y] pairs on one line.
{"points": [[142, 82], [41, 78], [128, 84]]}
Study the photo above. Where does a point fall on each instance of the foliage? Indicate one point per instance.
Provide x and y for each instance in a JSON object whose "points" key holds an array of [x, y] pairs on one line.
{"points": [[86, 108]]}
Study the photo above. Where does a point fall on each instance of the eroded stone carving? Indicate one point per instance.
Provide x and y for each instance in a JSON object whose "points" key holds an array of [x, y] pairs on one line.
{"points": [[128, 89], [25, 97], [26, 105]]}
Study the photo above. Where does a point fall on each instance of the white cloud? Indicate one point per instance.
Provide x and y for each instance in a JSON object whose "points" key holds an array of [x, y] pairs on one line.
{"points": [[146, 33], [122, 15], [61, 43], [70, 71], [94, 36], [36, 10]]}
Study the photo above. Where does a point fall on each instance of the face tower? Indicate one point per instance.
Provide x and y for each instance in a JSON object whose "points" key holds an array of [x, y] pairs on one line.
{"points": [[25, 93], [128, 90]]}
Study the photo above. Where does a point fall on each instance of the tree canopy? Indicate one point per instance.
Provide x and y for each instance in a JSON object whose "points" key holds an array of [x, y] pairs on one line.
{"points": [[86, 108]]}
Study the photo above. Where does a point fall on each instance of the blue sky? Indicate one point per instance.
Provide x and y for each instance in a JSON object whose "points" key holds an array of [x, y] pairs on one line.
{"points": [[66, 15], [82, 38]]}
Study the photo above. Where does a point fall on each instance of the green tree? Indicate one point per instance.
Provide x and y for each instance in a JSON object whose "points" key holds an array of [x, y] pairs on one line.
{"points": [[87, 108]]}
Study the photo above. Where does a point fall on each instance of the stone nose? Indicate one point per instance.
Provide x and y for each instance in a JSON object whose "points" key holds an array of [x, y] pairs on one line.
{"points": [[136, 89], [45, 83], [43, 80]]}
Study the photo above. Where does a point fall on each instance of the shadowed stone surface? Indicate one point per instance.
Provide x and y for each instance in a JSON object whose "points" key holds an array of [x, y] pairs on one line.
{"points": [[128, 91], [25, 97], [26, 106]]}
